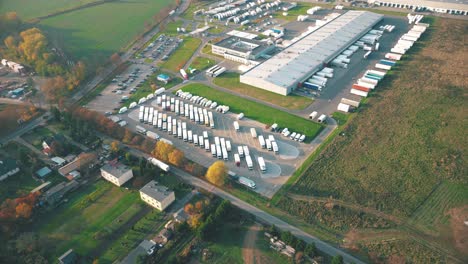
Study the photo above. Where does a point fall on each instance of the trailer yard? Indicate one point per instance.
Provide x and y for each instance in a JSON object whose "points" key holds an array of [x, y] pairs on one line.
{"points": [[351, 73], [276, 167]]}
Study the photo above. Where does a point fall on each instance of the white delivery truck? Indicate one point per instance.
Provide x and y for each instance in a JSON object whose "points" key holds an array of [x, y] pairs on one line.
{"points": [[247, 182], [261, 164], [261, 140], [274, 145], [152, 135], [237, 159], [163, 166], [240, 150], [228, 145], [268, 144], [141, 130], [207, 145], [236, 126], [246, 150], [248, 159], [213, 150], [253, 132]]}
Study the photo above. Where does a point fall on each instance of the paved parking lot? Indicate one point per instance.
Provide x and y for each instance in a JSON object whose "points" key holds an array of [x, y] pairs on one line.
{"points": [[110, 99], [279, 166]]}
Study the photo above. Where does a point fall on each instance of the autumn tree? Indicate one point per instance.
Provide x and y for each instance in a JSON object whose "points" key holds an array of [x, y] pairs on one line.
{"points": [[217, 173], [162, 150], [114, 146], [115, 58], [54, 88], [176, 157], [23, 210], [188, 208]]}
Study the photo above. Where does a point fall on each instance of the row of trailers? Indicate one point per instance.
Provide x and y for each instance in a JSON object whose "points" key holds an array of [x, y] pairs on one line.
{"points": [[371, 78], [162, 121], [215, 71], [368, 42]]}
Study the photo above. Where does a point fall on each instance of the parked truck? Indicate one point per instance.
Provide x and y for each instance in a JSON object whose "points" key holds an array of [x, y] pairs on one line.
{"points": [[248, 159], [247, 182], [163, 166], [140, 129], [261, 164], [253, 132]]}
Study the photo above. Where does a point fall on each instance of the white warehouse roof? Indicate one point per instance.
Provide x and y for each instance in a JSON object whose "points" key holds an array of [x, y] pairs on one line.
{"points": [[301, 59]]}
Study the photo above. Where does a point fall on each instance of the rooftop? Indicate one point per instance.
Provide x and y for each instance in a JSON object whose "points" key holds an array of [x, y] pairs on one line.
{"points": [[243, 44], [115, 169], [155, 191], [309, 53], [43, 172]]}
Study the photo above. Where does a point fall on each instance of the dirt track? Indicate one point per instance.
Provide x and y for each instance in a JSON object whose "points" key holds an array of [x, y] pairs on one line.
{"points": [[249, 252]]}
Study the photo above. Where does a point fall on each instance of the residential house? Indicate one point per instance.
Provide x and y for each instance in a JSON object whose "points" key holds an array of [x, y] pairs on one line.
{"points": [[55, 194], [81, 161], [158, 196], [116, 173], [180, 216], [59, 162], [8, 167], [48, 142]]}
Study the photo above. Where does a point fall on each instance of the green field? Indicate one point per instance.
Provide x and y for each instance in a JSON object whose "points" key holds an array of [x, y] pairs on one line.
{"points": [[99, 31], [433, 213], [227, 245], [256, 111], [231, 81], [28, 9], [300, 9], [127, 241], [90, 215], [183, 53], [202, 63], [394, 155]]}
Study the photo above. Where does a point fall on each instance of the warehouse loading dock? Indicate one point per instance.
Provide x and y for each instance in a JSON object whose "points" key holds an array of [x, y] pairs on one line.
{"points": [[285, 70]]}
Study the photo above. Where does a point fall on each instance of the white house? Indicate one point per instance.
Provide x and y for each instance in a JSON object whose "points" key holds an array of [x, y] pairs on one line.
{"points": [[116, 173], [158, 196], [8, 167]]}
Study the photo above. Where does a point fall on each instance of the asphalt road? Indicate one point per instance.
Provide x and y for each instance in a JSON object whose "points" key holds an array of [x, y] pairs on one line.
{"points": [[259, 214], [23, 129]]}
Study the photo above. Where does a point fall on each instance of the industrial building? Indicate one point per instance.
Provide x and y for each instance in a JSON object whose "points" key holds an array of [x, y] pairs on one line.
{"points": [[240, 49], [453, 7], [158, 196], [282, 72]]}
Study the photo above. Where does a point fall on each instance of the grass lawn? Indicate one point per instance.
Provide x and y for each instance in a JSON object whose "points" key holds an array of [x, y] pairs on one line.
{"points": [[256, 111], [99, 31], [202, 63], [433, 212], [79, 223], [230, 80], [216, 29], [227, 245], [171, 28], [35, 136], [28, 9], [17, 185], [183, 53], [132, 237], [300, 9]]}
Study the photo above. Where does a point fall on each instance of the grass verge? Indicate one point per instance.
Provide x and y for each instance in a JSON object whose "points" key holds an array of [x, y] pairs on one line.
{"points": [[183, 53], [256, 111], [231, 81]]}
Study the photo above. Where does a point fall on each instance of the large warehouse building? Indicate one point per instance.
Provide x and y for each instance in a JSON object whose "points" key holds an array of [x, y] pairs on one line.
{"points": [[281, 73]]}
